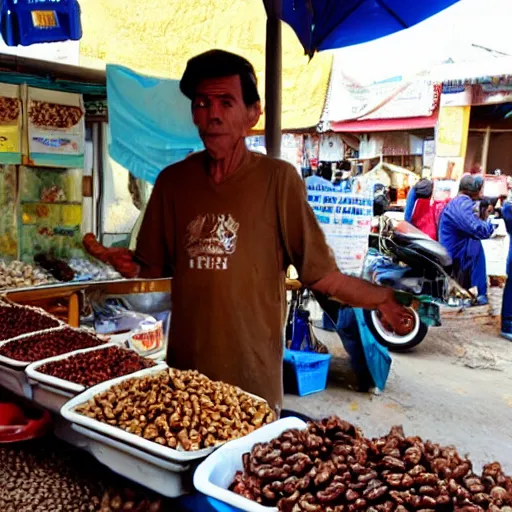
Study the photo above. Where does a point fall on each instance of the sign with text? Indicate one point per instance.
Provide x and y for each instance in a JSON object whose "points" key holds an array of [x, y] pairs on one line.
{"points": [[345, 217]]}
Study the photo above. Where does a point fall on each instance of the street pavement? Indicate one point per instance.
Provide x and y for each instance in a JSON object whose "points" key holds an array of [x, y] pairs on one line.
{"points": [[455, 389]]}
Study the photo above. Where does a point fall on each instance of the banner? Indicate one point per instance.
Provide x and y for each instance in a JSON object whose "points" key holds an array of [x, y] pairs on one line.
{"points": [[389, 99], [345, 217], [456, 96], [491, 94], [452, 131]]}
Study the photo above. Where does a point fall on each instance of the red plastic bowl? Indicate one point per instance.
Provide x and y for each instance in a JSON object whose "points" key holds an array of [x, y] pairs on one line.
{"points": [[16, 426]]}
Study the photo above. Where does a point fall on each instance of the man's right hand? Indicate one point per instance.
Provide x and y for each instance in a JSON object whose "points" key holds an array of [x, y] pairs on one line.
{"points": [[398, 317]]}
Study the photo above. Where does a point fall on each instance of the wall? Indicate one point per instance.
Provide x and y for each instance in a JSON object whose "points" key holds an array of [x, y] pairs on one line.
{"points": [[500, 153]]}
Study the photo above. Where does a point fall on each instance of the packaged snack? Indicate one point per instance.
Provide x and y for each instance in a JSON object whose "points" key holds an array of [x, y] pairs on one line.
{"points": [[10, 124], [56, 128]]}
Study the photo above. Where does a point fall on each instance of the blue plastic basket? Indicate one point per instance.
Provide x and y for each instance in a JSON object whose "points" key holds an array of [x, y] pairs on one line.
{"points": [[305, 373]]}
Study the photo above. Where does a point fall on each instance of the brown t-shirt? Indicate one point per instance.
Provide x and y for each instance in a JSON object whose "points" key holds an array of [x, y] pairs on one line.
{"points": [[227, 247]]}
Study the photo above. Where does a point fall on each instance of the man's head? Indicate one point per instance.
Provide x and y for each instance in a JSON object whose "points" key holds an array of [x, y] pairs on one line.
{"points": [[225, 100], [472, 186]]}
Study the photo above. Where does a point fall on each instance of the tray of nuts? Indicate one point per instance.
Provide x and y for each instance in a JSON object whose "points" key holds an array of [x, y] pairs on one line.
{"points": [[180, 416], [59, 378], [17, 321], [19, 352], [214, 476], [330, 466]]}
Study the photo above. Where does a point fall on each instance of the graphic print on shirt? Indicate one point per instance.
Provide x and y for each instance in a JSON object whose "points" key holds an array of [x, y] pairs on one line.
{"points": [[210, 240]]}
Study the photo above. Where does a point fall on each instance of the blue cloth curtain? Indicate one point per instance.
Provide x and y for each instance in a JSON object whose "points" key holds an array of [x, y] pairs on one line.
{"points": [[150, 122]]}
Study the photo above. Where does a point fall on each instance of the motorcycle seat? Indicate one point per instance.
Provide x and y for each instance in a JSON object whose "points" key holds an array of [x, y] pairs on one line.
{"points": [[407, 235]]}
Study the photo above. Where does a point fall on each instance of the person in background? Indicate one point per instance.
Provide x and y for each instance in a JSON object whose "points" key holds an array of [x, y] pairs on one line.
{"points": [[338, 177], [422, 190], [381, 199], [318, 181], [461, 231], [506, 308], [476, 169], [421, 210]]}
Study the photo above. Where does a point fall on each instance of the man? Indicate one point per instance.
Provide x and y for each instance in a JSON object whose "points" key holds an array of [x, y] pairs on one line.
{"points": [[461, 231], [225, 224]]}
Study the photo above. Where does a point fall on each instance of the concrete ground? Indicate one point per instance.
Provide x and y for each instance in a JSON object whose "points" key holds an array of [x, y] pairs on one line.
{"points": [[455, 389]]}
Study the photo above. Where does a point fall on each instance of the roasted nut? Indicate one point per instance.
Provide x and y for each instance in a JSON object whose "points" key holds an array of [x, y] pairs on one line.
{"points": [[344, 472], [17, 320], [48, 344], [91, 368]]}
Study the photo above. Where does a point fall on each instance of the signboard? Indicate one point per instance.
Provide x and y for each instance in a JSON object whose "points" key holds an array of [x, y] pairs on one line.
{"points": [[345, 217], [67, 52], [456, 96], [452, 131], [390, 99], [490, 94]]}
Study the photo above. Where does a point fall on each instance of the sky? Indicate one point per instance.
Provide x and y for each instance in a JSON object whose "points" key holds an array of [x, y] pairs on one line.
{"points": [[449, 34]]}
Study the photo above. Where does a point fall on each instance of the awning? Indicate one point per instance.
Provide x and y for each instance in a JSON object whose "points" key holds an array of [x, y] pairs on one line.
{"points": [[384, 125]]}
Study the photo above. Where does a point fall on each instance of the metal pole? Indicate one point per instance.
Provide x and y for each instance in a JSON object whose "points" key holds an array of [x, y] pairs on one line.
{"points": [[273, 93], [485, 149]]}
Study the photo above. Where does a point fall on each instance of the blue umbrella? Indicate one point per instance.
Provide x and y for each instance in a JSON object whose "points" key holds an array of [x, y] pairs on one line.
{"points": [[330, 24]]}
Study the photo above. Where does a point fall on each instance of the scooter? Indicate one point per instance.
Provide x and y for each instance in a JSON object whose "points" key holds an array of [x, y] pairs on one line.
{"points": [[418, 268]]}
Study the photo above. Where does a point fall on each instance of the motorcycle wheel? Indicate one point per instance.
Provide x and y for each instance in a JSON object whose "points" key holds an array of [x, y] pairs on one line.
{"points": [[392, 341]]}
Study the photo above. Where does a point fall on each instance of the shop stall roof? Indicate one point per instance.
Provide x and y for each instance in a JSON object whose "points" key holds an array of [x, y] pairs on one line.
{"points": [[489, 70], [385, 125], [52, 75]]}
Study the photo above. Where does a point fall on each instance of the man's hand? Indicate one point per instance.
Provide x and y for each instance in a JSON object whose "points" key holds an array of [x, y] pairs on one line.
{"points": [[399, 319]]}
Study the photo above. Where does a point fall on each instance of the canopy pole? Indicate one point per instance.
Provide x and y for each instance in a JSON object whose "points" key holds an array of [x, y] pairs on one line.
{"points": [[273, 84]]}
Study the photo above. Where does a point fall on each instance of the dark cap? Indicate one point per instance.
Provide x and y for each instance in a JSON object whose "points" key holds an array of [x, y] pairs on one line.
{"points": [[219, 64], [471, 184]]}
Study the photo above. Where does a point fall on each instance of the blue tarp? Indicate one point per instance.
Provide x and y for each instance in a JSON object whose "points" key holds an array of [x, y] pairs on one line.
{"points": [[150, 122], [330, 24]]}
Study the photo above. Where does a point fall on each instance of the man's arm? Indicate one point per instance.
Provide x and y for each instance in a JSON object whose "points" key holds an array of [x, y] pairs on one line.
{"points": [[308, 251], [359, 293], [471, 224], [154, 251]]}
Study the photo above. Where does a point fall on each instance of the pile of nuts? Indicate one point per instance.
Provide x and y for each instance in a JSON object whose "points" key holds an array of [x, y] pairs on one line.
{"points": [[48, 344], [50, 476], [18, 274], [332, 467], [36, 479], [91, 368], [18, 320], [179, 409]]}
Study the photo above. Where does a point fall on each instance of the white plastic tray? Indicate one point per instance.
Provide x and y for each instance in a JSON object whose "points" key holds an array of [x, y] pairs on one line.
{"points": [[21, 365], [150, 447], [53, 392], [214, 476], [167, 478], [15, 381]]}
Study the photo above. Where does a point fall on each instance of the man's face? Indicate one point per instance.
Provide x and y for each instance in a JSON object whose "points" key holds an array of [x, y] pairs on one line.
{"points": [[221, 116]]}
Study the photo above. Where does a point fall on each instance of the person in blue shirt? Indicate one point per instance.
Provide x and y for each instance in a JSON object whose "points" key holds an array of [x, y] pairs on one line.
{"points": [[461, 231], [506, 311]]}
